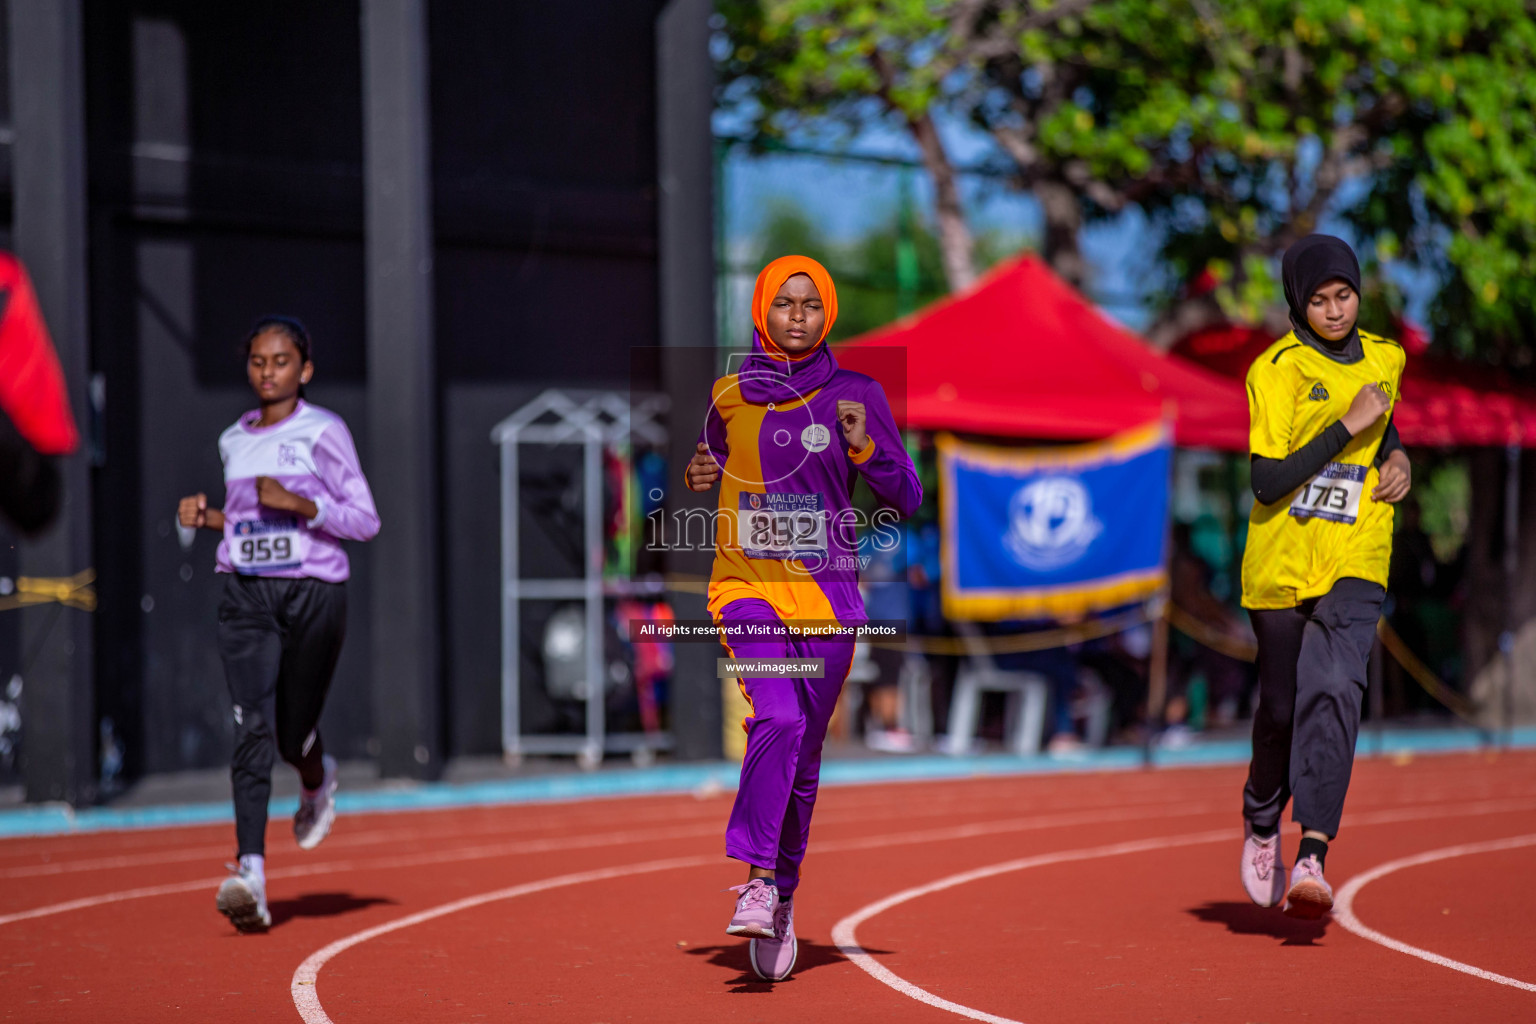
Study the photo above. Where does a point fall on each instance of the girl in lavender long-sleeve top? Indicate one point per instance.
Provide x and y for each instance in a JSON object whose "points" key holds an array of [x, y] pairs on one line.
{"points": [[293, 491], [787, 438]]}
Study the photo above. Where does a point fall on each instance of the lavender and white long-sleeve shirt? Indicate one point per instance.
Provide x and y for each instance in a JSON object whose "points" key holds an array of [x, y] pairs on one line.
{"points": [[311, 454]]}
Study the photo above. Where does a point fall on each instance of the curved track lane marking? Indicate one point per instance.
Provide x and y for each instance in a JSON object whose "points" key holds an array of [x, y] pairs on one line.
{"points": [[305, 989], [1344, 905], [845, 932], [304, 986], [621, 839]]}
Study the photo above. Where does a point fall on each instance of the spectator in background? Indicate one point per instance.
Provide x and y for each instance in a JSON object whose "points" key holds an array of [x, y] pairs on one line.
{"points": [[1419, 587], [1225, 677], [36, 426], [1059, 666], [887, 596], [1122, 662], [923, 569]]}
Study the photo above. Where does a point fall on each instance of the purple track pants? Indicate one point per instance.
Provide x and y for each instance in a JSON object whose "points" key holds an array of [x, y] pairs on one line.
{"points": [[771, 820]]}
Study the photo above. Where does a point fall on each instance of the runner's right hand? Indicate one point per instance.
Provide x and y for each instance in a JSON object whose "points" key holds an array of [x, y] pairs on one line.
{"points": [[193, 510], [1366, 409], [703, 470]]}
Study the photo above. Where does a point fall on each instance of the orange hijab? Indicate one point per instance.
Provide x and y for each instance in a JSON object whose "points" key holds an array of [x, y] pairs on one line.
{"points": [[772, 279]]}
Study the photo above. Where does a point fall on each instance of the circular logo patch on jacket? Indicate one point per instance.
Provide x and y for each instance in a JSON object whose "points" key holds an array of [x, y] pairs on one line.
{"points": [[815, 437]]}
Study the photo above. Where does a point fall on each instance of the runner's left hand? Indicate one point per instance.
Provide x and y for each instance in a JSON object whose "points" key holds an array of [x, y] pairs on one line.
{"points": [[1396, 478], [850, 416]]}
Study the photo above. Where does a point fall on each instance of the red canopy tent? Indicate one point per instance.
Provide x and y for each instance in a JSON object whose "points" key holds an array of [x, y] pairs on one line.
{"points": [[1023, 355], [1444, 403]]}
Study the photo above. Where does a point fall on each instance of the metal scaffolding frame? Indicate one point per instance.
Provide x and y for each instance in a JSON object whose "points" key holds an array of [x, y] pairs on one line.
{"points": [[593, 419]]}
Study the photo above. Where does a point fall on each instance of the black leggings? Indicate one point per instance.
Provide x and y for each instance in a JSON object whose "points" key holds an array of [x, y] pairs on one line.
{"points": [[1312, 677], [279, 639]]}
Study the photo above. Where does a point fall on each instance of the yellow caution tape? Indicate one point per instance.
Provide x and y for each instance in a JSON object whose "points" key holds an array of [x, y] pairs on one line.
{"points": [[74, 591], [1207, 636], [1421, 673]]}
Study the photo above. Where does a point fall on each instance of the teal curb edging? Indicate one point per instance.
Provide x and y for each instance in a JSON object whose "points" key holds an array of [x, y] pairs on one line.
{"points": [[59, 819]]}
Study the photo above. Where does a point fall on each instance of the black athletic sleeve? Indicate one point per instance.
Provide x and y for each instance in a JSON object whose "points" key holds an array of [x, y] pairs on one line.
{"points": [[1275, 479], [30, 484], [1390, 443]]}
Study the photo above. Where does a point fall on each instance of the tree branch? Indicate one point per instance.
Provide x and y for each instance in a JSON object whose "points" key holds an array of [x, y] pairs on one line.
{"points": [[1004, 41], [954, 234]]}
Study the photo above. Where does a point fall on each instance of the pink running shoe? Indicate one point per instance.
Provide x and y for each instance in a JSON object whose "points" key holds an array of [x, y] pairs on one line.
{"points": [[1263, 871], [773, 959], [755, 907], [1310, 897]]}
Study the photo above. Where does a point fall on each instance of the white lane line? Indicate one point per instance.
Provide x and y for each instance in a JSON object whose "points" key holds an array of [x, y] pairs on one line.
{"points": [[305, 980], [305, 989], [707, 820], [1344, 905], [845, 932], [618, 839], [501, 832], [621, 838], [87, 902]]}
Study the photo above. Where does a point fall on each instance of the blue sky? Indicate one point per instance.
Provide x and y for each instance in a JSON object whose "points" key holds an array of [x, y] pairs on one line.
{"points": [[848, 198]]}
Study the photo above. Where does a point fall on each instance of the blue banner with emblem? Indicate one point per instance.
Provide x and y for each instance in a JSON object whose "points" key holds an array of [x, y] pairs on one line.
{"points": [[1031, 533]]}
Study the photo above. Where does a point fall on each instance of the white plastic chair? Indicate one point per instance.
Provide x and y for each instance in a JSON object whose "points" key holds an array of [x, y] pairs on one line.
{"points": [[1094, 707], [916, 686], [1028, 692]]}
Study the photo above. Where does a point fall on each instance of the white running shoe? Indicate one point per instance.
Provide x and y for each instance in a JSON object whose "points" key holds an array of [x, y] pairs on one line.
{"points": [[317, 811], [243, 899], [1263, 870], [1310, 896]]}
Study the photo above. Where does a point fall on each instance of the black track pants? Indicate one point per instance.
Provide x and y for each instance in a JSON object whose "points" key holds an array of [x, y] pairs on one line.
{"points": [[279, 639], [1312, 678]]}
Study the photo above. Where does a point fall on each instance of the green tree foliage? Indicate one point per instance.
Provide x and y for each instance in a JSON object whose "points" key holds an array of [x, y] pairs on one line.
{"points": [[1233, 123], [869, 286]]}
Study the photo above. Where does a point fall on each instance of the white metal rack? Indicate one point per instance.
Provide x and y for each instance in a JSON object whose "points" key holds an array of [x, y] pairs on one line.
{"points": [[593, 419]]}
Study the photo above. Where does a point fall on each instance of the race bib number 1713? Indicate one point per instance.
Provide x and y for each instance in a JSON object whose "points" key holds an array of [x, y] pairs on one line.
{"points": [[1334, 494]]}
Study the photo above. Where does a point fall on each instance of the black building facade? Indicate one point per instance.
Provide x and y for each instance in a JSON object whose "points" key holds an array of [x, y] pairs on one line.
{"points": [[466, 203]]}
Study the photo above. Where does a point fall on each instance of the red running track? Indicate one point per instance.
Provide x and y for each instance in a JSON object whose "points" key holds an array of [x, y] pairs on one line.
{"points": [[1096, 897]]}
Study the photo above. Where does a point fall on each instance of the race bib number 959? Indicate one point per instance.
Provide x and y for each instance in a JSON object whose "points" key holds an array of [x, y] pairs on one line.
{"points": [[266, 545], [1334, 494], [781, 526]]}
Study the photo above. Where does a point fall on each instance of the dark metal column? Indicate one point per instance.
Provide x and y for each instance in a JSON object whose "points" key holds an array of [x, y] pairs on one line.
{"points": [[402, 387], [48, 112], [684, 100]]}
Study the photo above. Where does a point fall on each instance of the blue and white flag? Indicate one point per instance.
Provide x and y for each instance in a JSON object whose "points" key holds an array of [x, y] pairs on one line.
{"points": [[1035, 533]]}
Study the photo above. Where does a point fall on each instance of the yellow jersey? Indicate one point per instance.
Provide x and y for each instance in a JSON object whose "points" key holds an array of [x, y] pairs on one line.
{"points": [[1330, 527]]}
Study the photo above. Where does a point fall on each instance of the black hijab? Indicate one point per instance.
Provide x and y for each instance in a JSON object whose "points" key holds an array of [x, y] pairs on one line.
{"points": [[1307, 266]]}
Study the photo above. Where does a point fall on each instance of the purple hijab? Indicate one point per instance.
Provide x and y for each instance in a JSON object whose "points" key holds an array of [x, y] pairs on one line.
{"points": [[764, 379]]}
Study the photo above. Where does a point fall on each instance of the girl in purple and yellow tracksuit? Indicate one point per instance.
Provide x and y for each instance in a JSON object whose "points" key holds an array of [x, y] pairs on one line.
{"points": [[787, 438]]}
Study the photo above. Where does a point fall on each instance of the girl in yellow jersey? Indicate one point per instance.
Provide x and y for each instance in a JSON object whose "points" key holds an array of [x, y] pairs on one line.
{"points": [[1327, 467]]}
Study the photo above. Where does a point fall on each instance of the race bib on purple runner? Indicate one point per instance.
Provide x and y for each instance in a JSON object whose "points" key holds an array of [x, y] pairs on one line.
{"points": [[782, 526], [1334, 494], [258, 546]]}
